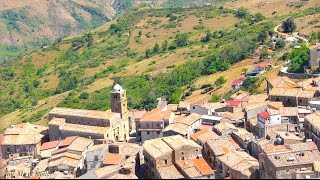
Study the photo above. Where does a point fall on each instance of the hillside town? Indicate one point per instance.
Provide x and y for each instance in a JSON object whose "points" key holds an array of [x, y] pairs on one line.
{"points": [[270, 135], [275, 134]]}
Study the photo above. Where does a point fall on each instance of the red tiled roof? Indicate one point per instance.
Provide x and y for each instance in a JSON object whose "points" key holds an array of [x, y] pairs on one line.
{"points": [[138, 114], [67, 141], [113, 159], [233, 103], [202, 166], [265, 114], [199, 103], [199, 133], [59, 151], [50, 145], [204, 126], [238, 80], [156, 115]]}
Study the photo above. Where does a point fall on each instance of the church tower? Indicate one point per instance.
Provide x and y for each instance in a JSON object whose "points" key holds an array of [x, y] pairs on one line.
{"points": [[119, 104]]}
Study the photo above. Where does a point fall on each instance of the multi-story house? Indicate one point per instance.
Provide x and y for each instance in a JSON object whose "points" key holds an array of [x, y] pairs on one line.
{"points": [[297, 161], [152, 123], [266, 119], [23, 140], [312, 127], [175, 157]]}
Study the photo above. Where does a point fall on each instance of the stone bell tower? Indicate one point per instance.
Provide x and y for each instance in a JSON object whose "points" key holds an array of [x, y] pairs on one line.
{"points": [[119, 104]]}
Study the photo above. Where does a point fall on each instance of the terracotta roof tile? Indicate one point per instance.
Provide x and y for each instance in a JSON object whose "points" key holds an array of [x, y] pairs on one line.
{"points": [[172, 107], [63, 112], [113, 159], [282, 82], [202, 166], [67, 141], [58, 151], [137, 114], [50, 145], [199, 133], [156, 115], [233, 103]]}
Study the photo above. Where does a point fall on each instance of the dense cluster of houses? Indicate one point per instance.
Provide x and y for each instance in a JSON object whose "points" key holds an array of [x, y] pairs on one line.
{"points": [[271, 135]]}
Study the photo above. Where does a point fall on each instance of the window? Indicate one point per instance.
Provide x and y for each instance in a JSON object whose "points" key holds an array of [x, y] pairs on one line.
{"points": [[158, 132], [148, 132], [148, 125], [96, 158], [194, 107], [165, 161]]}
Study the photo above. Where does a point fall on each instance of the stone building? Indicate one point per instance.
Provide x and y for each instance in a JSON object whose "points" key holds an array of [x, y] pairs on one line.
{"points": [[112, 124], [48, 147], [239, 165], [96, 155], [224, 129], [152, 123], [265, 119], [183, 125], [216, 148], [314, 60], [203, 136], [312, 127], [70, 157], [251, 111], [289, 164], [23, 140], [280, 82], [175, 157]]}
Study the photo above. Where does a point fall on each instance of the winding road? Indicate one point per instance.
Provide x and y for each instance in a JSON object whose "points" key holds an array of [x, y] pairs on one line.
{"points": [[294, 35]]}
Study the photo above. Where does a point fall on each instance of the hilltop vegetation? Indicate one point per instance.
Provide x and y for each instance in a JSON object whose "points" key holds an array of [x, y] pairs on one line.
{"points": [[150, 52]]}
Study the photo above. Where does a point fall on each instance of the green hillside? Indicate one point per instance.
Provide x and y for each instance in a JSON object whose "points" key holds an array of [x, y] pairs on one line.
{"points": [[150, 52]]}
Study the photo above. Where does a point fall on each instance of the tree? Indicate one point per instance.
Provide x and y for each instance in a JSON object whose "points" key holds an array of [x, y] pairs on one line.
{"points": [[289, 26], [148, 53], [299, 59], [244, 70], [67, 83], [165, 45], [215, 98], [207, 38], [259, 17], [280, 44], [89, 39], [241, 13], [262, 36], [182, 40], [264, 54], [84, 95], [220, 81], [250, 84], [156, 48]]}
